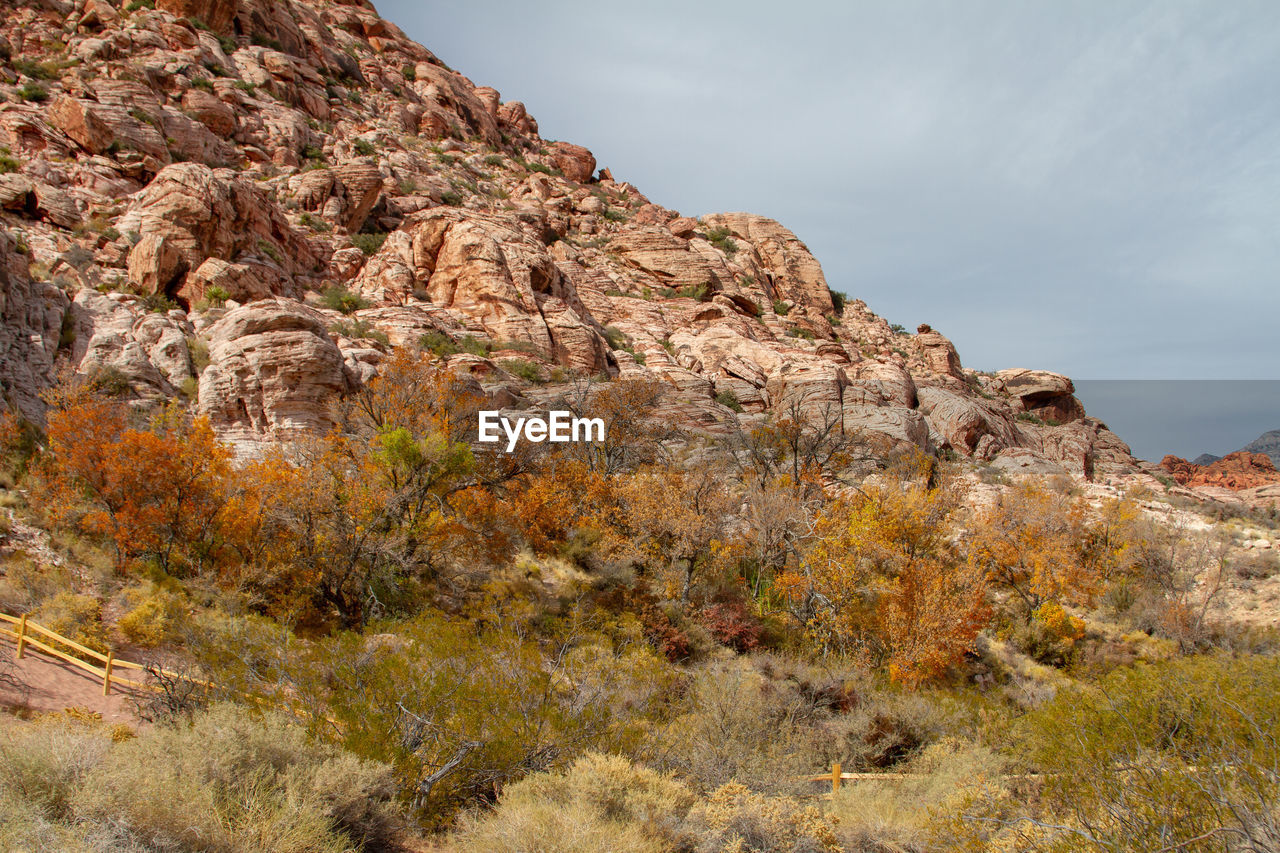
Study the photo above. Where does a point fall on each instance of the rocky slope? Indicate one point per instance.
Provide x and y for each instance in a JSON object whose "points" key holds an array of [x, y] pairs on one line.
{"points": [[195, 193]]}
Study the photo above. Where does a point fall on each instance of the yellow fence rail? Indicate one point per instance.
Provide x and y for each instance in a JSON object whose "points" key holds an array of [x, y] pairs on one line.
{"points": [[27, 634], [836, 777]]}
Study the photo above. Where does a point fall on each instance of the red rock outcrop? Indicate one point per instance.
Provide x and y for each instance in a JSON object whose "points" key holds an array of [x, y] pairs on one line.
{"points": [[1236, 471]]}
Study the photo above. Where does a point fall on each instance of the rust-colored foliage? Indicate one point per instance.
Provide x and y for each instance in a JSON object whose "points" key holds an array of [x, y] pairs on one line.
{"points": [[884, 579], [155, 491]]}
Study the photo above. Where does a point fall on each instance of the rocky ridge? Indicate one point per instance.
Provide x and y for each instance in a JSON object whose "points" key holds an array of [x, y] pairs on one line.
{"points": [[248, 204]]}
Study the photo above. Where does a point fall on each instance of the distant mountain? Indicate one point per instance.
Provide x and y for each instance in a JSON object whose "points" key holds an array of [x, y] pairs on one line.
{"points": [[1205, 459], [1268, 443]]}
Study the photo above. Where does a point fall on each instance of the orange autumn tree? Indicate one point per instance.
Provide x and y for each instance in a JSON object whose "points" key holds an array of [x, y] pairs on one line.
{"points": [[1038, 544], [884, 579], [154, 490], [675, 519]]}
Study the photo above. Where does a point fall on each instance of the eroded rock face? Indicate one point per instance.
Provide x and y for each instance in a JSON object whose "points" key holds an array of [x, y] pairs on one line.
{"points": [[1235, 471], [32, 315], [273, 372], [1046, 395], [794, 274], [278, 150], [190, 213], [216, 14], [149, 351]]}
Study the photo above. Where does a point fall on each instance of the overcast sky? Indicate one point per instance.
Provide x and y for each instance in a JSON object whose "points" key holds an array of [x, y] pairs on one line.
{"points": [[1087, 187]]}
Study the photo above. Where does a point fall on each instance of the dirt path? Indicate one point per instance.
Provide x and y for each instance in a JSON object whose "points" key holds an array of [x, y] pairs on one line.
{"points": [[48, 684]]}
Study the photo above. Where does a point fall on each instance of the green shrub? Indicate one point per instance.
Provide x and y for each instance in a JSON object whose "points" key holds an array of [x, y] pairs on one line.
{"points": [[315, 223], [338, 298], [453, 198], [729, 400], [1154, 757], [36, 70], [897, 328], [781, 308], [8, 164], [110, 381], [45, 765], [364, 147], [361, 329], [369, 242], [410, 72], [267, 248], [202, 83], [722, 239], [494, 160], [615, 337], [523, 368], [614, 215], [443, 345], [245, 86], [217, 295], [837, 300], [33, 92], [199, 349]]}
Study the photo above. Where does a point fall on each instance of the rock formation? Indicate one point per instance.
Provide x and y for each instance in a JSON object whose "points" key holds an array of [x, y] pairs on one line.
{"points": [[248, 203], [1236, 471]]}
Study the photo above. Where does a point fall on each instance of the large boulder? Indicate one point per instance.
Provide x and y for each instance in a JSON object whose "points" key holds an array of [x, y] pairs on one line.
{"points": [[938, 353], [577, 163], [1046, 395], [273, 372]]}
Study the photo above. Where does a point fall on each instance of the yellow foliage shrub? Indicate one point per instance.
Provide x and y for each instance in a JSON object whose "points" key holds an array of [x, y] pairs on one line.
{"points": [[154, 619], [76, 617]]}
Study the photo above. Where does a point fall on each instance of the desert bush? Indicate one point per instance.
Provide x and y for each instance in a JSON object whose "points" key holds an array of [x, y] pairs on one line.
{"points": [[369, 243], [156, 616], [735, 724], [723, 240], [229, 782], [735, 818], [908, 812], [46, 763], [76, 617], [729, 400], [338, 298], [523, 368], [1173, 756], [602, 802], [26, 584], [457, 709]]}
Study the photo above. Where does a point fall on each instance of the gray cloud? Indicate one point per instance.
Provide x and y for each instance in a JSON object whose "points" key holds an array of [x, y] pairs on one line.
{"points": [[1086, 187]]}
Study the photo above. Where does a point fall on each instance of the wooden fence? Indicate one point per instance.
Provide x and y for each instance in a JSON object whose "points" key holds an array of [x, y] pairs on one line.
{"points": [[27, 634], [836, 777]]}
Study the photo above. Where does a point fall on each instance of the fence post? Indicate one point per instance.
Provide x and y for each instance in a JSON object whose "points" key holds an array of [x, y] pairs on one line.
{"points": [[22, 635], [835, 778], [106, 674]]}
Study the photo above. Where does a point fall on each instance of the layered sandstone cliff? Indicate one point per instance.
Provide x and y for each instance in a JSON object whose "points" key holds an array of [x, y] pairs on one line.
{"points": [[196, 193]]}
